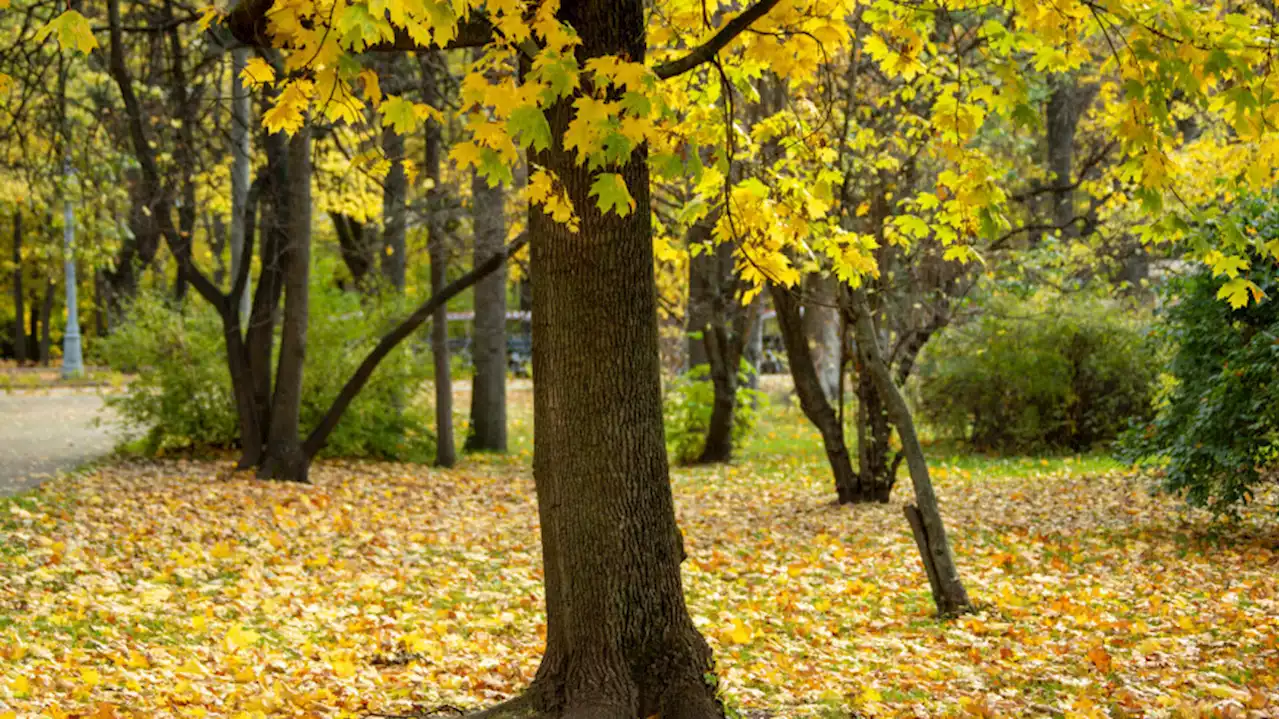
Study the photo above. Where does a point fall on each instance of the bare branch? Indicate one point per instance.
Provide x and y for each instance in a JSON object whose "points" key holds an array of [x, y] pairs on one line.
{"points": [[706, 51]]}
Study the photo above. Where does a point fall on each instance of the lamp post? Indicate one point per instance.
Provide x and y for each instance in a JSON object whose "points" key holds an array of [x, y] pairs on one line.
{"points": [[72, 362]]}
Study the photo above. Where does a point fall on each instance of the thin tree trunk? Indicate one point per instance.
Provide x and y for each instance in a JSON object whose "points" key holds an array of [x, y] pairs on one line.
{"points": [[393, 211], [1060, 125], [698, 311], [320, 434], [264, 312], [724, 338], [19, 331], [488, 431], [437, 248], [949, 594], [284, 456], [754, 351], [241, 216], [813, 401], [46, 323], [100, 326], [822, 328]]}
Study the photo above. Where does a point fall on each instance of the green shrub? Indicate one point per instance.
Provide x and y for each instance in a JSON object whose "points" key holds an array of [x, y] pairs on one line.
{"points": [[182, 395], [1215, 432], [686, 408], [1045, 372]]}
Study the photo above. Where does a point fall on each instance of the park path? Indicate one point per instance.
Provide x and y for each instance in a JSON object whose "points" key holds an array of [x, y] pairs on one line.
{"points": [[48, 431]]}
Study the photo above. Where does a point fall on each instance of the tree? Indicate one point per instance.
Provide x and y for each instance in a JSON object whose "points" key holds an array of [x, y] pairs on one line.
{"points": [[488, 429], [433, 71]]}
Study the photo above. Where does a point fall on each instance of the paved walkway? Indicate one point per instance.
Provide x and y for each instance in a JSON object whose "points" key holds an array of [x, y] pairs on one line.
{"points": [[49, 431]]}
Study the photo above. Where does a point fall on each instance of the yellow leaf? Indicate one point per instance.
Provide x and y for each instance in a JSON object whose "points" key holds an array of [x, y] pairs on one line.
{"points": [[20, 685], [221, 550], [207, 16], [257, 72], [343, 668], [90, 677], [239, 637], [739, 634]]}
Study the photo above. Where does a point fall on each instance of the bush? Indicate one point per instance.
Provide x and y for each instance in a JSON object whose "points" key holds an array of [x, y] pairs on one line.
{"points": [[1216, 427], [1046, 372], [182, 395], [686, 410]]}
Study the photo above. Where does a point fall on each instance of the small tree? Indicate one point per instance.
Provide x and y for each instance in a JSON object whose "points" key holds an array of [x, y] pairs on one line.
{"points": [[1215, 431]]}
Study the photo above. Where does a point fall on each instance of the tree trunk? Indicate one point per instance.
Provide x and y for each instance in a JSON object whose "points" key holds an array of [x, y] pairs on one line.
{"points": [[358, 253], [724, 338], [488, 430], [1060, 125], [284, 456], [46, 323], [754, 351], [263, 314], [241, 216], [19, 331], [698, 312], [620, 643], [813, 400], [948, 591], [437, 249], [100, 322], [822, 329], [877, 463], [393, 211]]}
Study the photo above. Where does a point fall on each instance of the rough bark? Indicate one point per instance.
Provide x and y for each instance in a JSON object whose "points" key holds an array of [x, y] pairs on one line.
{"points": [[284, 457], [488, 429], [877, 462], [437, 249], [393, 211], [813, 400], [19, 331], [949, 594], [620, 643]]}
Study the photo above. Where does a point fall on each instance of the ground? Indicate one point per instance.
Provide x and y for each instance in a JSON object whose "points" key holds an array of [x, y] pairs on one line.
{"points": [[178, 588], [49, 430]]}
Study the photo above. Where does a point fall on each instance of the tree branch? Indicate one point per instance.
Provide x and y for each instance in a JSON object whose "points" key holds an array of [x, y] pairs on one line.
{"points": [[706, 51], [316, 440]]}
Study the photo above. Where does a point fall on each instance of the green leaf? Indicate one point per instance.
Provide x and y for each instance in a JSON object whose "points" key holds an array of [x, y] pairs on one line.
{"points": [[73, 32], [398, 113], [360, 29], [611, 191], [529, 125]]}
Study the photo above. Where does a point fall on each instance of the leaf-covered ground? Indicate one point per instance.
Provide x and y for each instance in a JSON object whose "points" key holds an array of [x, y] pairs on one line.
{"points": [[179, 589]]}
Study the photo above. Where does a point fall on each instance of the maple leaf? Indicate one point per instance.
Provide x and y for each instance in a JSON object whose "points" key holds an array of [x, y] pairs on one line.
{"points": [[257, 72], [529, 124], [611, 192], [73, 32]]}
